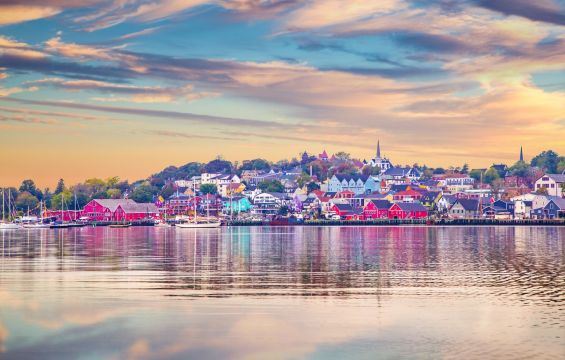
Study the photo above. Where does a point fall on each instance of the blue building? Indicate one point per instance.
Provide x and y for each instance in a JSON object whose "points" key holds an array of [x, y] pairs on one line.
{"points": [[359, 184]]}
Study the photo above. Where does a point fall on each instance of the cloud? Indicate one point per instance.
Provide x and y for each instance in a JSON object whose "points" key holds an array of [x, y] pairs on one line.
{"points": [[140, 94], [139, 33], [539, 10], [178, 134], [12, 47], [13, 14]]}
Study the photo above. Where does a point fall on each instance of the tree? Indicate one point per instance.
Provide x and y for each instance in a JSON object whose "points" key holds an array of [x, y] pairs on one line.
{"points": [[189, 170], [520, 169], [542, 190], [67, 198], [342, 155], [546, 160], [167, 191], [114, 193], [112, 181], [369, 170], [283, 210], [439, 171], [303, 179], [476, 174], [25, 201], [29, 186], [144, 193], [496, 186], [271, 186], [256, 164], [465, 168], [208, 189], [218, 165], [312, 186], [561, 165], [490, 176], [60, 186], [345, 168]]}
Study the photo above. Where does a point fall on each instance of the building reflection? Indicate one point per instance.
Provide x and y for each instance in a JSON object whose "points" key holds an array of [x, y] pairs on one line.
{"points": [[303, 261]]}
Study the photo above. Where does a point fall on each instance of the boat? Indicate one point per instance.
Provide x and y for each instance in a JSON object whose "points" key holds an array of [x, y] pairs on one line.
{"points": [[162, 224], [121, 225], [199, 224], [8, 225], [39, 223]]}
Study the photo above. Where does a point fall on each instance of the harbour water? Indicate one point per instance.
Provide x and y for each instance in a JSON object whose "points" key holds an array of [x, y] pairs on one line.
{"points": [[412, 292]]}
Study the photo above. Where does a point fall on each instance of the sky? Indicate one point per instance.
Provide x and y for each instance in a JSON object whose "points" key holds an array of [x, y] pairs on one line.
{"points": [[100, 88]]}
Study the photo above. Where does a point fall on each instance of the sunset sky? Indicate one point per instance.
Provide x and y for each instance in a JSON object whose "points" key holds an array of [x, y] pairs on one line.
{"points": [[126, 87]]}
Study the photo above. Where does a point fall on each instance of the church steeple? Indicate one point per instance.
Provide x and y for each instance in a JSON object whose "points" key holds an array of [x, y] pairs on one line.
{"points": [[521, 154], [378, 149]]}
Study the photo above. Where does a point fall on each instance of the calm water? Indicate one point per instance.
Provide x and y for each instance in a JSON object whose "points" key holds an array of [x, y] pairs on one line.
{"points": [[270, 293]]}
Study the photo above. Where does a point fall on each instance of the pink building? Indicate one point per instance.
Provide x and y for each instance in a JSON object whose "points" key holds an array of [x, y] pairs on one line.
{"points": [[119, 210]]}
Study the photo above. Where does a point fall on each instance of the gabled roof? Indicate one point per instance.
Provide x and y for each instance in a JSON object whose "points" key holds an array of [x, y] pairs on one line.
{"points": [[557, 177], [430, 196], [344, 207], [468, 204], [355, 177], [381, 204], [408, 192], [411, 206], [127, 205], [559, 202]]}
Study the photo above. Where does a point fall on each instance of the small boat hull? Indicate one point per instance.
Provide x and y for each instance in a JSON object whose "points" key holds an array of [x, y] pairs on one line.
{"points": [[9, 226], [117, 226], [199, 225]]}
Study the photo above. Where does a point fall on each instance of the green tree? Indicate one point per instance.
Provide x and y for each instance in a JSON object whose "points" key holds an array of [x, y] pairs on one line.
{"points": [[67, 198], [490, 176], [114, 193], [476, 174], [218, 165], [520, 169], [167, 191], [271, 186], [312, 186], [369, 170], [26, 201], [465, 168], [112, 181], [29, 186], [546, 160], [60, 186], [439, 171], [206, 189], [561, 165], [342, 155], [256, 164], [144, 193], [283, 210], [303, 179]]}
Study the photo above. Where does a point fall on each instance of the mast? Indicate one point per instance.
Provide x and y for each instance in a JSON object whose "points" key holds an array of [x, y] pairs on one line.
{"points": [[3, 215], [194, 197], [9, 203]]}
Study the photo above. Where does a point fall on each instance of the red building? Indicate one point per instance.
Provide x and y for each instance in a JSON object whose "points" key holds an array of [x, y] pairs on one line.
{"points": [[66, 215], [348, 212], [376, 209], [407, 195], [407, 211], [119, 210]]}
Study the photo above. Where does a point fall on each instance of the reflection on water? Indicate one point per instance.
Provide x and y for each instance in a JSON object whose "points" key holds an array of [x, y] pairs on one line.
{"points": [[288, 292]]}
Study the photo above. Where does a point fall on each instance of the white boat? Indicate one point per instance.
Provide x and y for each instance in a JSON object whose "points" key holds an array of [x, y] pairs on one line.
{"points": [[8, 225], [37, 226], [162, 224], [199, 224]]}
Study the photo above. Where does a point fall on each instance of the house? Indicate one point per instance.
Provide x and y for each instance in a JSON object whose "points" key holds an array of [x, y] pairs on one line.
{"points": [[179, 203], [430, 200], [464, 208], [347, 212], [358, 184], [270, 203], [413, 210], [236, 204], [399, 175], [499, 209], [555, 209], [119, 210], [407, 195], [524, 204], [553, 183], [227, 189], [376, 209]]}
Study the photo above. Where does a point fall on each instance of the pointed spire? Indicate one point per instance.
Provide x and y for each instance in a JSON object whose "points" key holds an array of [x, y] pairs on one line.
{"points": [[378, 149], [521, 154]]}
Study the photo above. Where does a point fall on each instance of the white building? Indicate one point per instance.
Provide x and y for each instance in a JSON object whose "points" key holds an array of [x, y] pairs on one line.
{"points": [[553, 183], [382, 163]]}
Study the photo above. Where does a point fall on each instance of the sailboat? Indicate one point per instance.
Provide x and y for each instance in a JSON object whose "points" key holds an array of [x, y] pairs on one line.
{"points": [[8, 225], [202, 224], [40, 224], [62, 224]]}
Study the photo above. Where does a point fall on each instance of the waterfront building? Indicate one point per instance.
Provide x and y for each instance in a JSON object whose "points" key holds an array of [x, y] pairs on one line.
{"points": [[358, 184], [464, 208], [553, 183], [412, 210], [119, 210], [376, 209], [236, 204]]}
